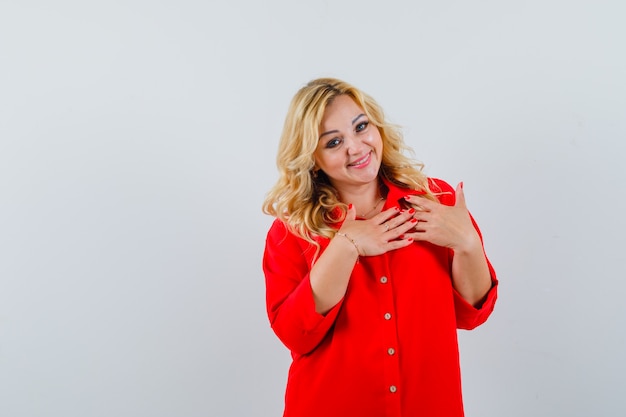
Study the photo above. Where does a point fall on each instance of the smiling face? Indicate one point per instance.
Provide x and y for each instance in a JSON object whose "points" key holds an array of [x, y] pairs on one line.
{"points": [[350, 149]]}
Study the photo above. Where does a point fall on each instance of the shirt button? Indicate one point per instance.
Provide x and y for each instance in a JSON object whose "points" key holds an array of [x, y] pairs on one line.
{"points": [[387, 316], [383, 280], [393, 388], [391, 351]]}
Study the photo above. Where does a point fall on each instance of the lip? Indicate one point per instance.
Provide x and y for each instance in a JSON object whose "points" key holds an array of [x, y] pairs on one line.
{"points": [[361, 162]]}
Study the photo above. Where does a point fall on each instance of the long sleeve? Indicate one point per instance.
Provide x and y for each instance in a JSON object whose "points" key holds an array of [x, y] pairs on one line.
{"points": [[289, 297], [468, 316]]}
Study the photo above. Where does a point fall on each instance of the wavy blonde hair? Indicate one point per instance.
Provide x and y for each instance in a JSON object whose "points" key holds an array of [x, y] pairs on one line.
{"points": [[306, 201]]}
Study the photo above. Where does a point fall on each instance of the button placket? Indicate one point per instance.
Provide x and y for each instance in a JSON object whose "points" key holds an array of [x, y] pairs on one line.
{"points": [[392, 366]]}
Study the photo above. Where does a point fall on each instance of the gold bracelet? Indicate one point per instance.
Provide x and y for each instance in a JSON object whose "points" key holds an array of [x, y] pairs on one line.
{"points": [[358, 252]]}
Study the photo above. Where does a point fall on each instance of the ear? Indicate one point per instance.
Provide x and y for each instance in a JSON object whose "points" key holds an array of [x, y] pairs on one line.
{"points": [[316, 168]]}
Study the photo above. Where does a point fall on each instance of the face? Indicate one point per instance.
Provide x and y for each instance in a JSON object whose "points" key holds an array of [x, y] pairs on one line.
{"points": [[350, 149]]}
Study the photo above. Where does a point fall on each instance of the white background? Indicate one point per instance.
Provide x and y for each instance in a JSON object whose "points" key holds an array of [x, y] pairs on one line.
{"points": [[138, 139]]}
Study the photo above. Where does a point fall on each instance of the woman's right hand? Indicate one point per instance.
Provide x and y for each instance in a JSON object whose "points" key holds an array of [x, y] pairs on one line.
{"points": [[381, 233]]}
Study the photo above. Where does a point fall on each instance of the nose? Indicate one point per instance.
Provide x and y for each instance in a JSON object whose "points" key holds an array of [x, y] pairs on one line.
{"points": [[354, 144]]}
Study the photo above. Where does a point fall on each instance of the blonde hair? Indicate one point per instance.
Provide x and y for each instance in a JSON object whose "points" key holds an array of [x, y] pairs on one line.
{"points": [[305, 200]]}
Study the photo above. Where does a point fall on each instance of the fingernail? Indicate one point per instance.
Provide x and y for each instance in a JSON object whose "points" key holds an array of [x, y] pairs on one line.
{"points": [[412, 210], [401, 237], [350, 206], [461, 184], [413, 220], [410, 239]]}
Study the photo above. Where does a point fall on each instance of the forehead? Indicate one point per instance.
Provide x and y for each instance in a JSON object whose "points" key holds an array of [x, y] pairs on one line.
{"points": [[339, 110]]}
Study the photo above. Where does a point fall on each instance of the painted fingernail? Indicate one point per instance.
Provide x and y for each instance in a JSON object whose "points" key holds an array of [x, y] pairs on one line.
{"points": [[350, 206], [401, 237], [412, 210], [410, 239], [414, 220]]}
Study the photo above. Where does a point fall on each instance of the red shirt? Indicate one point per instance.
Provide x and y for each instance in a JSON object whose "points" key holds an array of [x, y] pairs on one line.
{"points": [[389, 347]]}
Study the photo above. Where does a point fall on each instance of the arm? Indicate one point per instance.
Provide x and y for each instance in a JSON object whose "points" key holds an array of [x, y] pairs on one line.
{"points": [[471, 277], [289, 296], [470, 316], [303, 302], [331, 273], [451, 226]]}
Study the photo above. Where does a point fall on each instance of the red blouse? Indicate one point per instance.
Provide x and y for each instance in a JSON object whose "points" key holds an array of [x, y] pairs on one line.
{"points": [[389, 347]]}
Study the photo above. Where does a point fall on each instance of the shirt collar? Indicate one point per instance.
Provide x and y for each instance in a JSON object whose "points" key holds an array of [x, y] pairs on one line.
{"points": [[395, 196]]}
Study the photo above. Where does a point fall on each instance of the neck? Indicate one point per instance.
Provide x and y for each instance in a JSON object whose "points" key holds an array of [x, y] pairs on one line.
{"points": [[366, 199]]}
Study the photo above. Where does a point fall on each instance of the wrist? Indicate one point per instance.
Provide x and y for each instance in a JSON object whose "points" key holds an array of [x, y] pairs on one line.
{"points": [[352, 241], [469, 246]]}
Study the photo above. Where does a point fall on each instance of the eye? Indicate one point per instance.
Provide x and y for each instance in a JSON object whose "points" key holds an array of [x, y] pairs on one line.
{"points": [[362, 126], [333, 143]]}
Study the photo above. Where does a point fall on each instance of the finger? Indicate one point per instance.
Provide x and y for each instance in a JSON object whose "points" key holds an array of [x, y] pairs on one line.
{"points": [[405, 227], [383, 216], [399, 243], [416, 236], [419, 202], [460, 196], [416, 227], [402, 217], [420, 226], [351, 214]]}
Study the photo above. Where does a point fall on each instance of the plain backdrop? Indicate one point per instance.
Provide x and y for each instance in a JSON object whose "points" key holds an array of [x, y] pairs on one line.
{"points": [[138, 140]]}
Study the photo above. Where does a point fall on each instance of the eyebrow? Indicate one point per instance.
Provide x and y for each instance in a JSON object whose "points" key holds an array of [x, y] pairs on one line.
{"points": [[335, 131]]}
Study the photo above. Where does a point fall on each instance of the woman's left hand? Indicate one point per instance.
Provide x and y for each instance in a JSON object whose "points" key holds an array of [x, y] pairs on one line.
{"points": [[448, 226]]}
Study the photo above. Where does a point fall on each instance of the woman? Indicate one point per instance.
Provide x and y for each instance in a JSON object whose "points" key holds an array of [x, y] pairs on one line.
{"points": [[370, 266]]}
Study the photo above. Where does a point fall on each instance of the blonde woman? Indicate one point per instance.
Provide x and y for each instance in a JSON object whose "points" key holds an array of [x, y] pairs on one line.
{"points": [[370, 266]]}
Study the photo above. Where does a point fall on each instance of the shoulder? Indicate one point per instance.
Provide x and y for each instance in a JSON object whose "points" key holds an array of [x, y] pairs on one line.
{"points": [[279, 240], [282, 245], [278, 231]]}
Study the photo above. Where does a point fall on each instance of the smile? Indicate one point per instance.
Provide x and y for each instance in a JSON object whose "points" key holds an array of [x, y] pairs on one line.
{"points": [[362, 162]]}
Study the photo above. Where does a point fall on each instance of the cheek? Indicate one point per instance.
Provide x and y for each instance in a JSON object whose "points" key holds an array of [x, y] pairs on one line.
{"points": [[322, 161], [375, 140], [333, 162]]}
